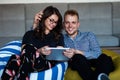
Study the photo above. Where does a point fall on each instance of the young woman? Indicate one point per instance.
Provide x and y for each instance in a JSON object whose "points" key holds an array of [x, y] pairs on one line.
{"points": [[34, 44]]}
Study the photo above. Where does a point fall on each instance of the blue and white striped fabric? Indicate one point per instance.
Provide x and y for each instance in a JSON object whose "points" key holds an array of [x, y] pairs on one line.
{"points": [[14, 47], [55, 73]]}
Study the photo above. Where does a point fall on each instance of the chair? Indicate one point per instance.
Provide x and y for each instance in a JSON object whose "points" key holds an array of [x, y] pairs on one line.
{"points": [[115, 75], [14, 47]]}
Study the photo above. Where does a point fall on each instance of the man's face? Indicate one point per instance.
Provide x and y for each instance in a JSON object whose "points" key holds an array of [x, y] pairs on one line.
{"points": [[71, 25]]}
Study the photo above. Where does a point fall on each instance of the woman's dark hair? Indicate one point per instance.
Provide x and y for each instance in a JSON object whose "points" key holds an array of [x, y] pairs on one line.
{"points": [[40, 30]]}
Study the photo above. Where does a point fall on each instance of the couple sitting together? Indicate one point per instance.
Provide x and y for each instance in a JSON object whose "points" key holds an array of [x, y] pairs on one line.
{"points": [[83, 54]]}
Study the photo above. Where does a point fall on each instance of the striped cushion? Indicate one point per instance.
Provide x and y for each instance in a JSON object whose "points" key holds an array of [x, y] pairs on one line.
{"points": [[14, 47], [55, 73]]}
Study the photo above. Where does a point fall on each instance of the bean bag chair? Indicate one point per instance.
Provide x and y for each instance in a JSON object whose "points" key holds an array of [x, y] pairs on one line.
{"points": [[14, 47], [115, 75]]}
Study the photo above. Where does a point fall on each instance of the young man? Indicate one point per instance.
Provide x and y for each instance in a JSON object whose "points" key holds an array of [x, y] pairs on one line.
{"points": [[84, 49]]}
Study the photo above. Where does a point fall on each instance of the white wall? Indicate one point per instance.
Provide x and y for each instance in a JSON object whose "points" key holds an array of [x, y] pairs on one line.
{"points": [[53, 1]]}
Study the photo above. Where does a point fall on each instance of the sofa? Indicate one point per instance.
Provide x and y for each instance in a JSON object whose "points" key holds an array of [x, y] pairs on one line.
{"points": [[103, 19], [60, 71]]}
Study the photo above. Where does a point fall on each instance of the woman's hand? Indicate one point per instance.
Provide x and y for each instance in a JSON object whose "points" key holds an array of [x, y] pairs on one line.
{"points": [[44, 50], [37, 18]]}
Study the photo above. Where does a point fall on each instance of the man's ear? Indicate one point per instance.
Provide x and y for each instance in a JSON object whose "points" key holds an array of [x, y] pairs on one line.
{"points": [[78, 24]]}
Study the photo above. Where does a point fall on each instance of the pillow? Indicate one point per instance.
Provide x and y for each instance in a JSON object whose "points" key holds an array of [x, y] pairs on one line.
{"points": [[13, 47], [55, 73]]}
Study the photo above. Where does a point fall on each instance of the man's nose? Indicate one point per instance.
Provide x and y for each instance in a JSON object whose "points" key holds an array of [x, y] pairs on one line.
{"points": [[70, 25]]}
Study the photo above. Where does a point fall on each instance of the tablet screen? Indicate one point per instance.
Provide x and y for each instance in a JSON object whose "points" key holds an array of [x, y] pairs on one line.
{"points": [[57, 54]]}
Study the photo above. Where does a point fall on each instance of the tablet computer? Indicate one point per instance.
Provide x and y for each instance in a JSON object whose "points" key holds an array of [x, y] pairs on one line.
{"points": [[57, 54]]}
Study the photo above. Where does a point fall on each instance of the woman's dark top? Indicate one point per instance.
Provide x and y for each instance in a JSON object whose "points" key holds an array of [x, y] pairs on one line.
{"points": [[49, 40]]}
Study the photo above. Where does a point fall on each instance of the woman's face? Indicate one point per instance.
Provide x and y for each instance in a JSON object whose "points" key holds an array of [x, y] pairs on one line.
{"points": [[50, 23]]}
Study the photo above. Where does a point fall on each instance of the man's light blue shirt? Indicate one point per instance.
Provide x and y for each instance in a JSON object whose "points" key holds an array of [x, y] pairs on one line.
{"points": [[86, 42]]}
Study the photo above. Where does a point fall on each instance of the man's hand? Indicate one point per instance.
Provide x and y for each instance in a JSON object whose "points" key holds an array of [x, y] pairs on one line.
{"points": [[69, 53], [37, 18], [78, 52]]}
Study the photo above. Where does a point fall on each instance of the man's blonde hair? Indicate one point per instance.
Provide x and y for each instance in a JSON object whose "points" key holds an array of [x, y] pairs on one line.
{"points": [[72, 13]]}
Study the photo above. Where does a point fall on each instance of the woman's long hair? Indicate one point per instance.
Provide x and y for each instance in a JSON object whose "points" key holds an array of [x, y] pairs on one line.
{"points": [[40, 30]]}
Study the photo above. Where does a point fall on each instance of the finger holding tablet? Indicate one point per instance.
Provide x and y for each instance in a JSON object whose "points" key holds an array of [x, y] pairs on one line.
{"points": [[57, 54]]}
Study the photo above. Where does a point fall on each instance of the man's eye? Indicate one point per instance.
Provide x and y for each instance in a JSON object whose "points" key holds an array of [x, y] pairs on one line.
{"points": [[74, 22], [66, 22]]}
